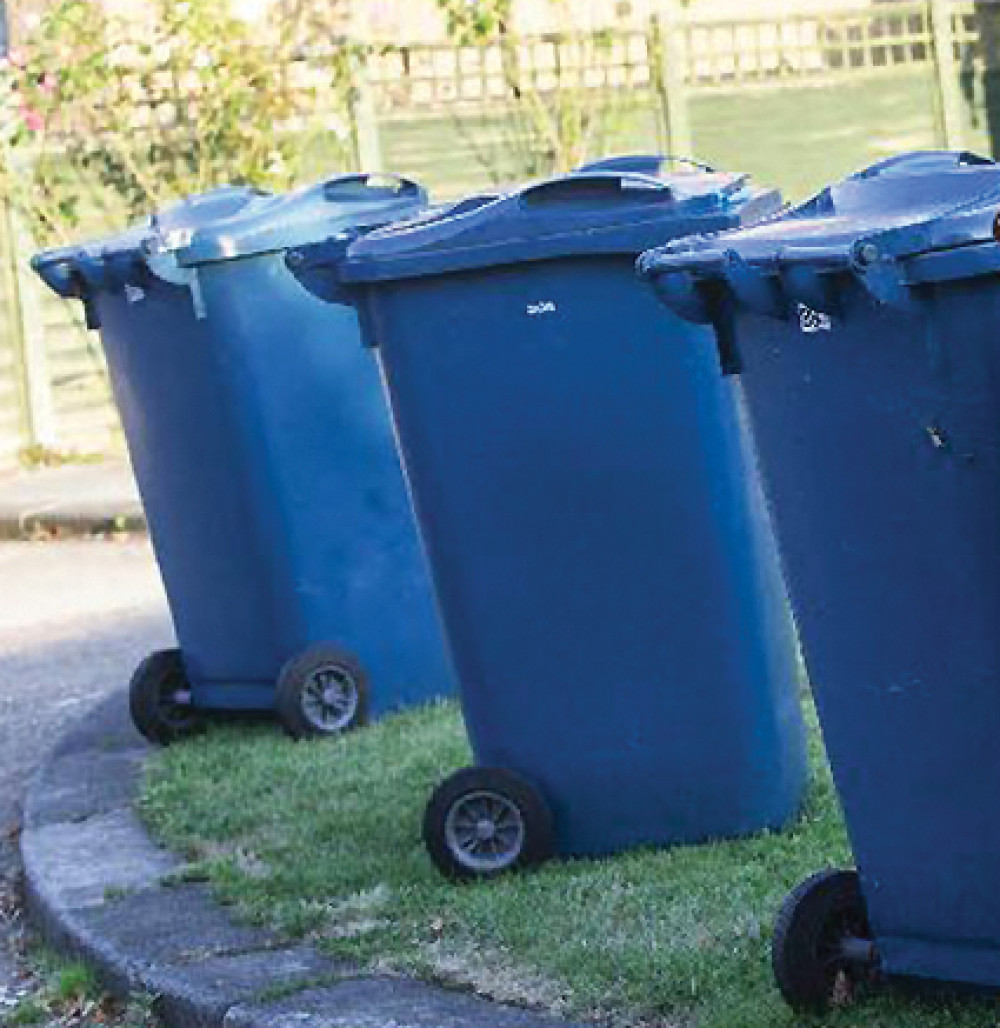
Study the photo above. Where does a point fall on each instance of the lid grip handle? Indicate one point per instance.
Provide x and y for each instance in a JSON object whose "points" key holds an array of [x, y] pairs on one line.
{"points": [[928, 160], [560, 192], [377, 182], [642, 164]]}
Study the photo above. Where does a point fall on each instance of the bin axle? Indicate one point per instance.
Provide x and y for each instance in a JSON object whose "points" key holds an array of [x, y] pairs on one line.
{"points": [[857, 952]]}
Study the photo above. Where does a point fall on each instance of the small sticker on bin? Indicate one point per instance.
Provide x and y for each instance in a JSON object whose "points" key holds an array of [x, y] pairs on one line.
{"points": [[134, 294], [811, 321]]}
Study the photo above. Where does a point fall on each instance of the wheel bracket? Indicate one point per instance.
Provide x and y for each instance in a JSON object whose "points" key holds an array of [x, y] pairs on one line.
{"points": [[857, 951]]}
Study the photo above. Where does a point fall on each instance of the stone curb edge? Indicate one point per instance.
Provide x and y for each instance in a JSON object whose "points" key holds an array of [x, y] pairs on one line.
{"points": [[96, 890], [18, 525]]}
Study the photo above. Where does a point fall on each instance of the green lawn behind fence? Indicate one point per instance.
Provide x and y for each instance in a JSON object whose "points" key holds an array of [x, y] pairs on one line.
{"points": [[797, 137]]}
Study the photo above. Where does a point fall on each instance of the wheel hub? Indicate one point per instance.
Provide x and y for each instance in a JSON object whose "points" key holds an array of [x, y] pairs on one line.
{"points": [[485, 830], [330, 698], [175, 704]]}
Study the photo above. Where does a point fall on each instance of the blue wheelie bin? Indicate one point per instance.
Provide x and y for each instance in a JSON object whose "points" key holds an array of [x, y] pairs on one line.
{"points": [[864, 328], [600, 552], [264, 456]]}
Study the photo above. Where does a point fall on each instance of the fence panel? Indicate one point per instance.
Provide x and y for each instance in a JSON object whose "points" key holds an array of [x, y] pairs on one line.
{"points": [[85, 418], [11, 417], [808, 46], [12, 412], [796, 100], [462, 153]]}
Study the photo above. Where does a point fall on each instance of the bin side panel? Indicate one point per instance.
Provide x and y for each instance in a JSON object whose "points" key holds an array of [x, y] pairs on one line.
{"points": [[341, 548], [617, 623], [880, 441], [189, 463]]}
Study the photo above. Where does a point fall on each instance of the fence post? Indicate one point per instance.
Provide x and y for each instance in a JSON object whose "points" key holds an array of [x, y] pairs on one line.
{"points": [[25, 323], [946, 73], [670, 52], [364, 114]]}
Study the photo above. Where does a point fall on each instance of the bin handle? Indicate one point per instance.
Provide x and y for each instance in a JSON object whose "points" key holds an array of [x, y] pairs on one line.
{"points": [[376, 182], [923, 159], [854, 255], [56, 270], [642, 164], [559, 191], [662, 261]]}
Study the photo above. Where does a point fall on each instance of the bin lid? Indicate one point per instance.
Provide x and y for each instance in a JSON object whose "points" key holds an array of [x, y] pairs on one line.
{"points": [[318, 266], [603, 211], [871, 224], [270, 223], [76, 271], [229, 223]]}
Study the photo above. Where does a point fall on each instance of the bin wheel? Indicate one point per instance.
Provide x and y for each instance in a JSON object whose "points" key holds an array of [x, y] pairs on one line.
{"points": [[822, 949], [159, 699], [321, 692], [481, 822]]}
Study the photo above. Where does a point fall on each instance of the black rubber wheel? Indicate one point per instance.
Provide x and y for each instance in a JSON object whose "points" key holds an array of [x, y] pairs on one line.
{"points": [[321, 692], [818, 953], [481, 822], [159, 699]]}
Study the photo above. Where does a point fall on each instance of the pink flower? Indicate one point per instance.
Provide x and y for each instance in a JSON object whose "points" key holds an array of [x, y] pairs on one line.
{"points": [[15, 58], [33, 120], [47, 83]]}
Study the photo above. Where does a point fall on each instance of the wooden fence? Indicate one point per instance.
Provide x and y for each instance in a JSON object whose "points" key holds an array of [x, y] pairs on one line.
{"points": [[796, 101]]}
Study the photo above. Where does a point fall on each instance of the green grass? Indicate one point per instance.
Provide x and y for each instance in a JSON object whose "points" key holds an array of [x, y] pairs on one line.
{"points": [[75, 982], [322, 841], [68, 993], [28, 1011], [803, 138], [799, 137]]}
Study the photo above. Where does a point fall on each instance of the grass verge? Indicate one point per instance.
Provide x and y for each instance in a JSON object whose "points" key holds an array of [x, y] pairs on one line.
{"points": [[65, 994], [322, 841]]}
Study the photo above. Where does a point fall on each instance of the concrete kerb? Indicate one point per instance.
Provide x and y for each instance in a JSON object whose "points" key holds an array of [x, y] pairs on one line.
{"points": [[21, 525], [97, 888], [73, 500]]}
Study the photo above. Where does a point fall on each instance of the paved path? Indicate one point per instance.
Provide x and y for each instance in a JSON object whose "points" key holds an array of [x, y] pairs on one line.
{"points": [[75, 617]]}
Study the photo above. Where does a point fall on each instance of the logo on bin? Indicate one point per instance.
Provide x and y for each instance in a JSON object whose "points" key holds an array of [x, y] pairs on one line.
{"points": [[134, 294], [811, 321], [543, 307]]}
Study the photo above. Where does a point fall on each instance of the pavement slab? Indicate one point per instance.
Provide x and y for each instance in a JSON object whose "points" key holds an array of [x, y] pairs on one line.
{"points": [[381, 1002], [79, 786], [78, 864], [200, 995]]}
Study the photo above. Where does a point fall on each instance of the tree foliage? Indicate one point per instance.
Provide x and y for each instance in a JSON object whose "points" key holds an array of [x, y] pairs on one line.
{"points": [[474, 21], [106, 117], [541, 130]]}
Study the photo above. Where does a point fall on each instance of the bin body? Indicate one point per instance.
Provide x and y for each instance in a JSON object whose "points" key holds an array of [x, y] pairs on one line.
{"points": [[607, 580], [876, 419], [262, 448]]}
